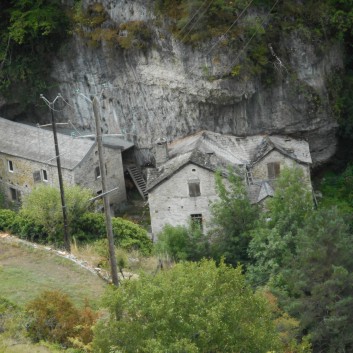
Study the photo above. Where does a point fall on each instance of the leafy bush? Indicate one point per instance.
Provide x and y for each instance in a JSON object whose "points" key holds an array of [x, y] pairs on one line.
{"points": [[54, 318], [182, 243], [127, 234], [131, 236], [193, 307], [6, 219], [43, 206]]}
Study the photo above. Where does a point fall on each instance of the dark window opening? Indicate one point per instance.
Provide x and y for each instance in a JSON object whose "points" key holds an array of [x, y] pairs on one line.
{"points": [[196, 220], [15, 194], [36, 176], [273, 170], [97, 172], [194, 188], [45, 175], [10, 165]]}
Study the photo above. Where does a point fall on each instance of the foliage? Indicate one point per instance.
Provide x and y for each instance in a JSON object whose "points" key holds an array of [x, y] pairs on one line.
{"points": [[43, 206], [182, 243], [232, 218], [6, 219], [193, 307], [320, 281], [273, 240], [30, 32], [89, 24], [54, 318], [128, 235]]}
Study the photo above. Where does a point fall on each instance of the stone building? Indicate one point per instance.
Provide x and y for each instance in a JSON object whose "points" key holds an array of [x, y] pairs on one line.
{"points": [[182, 186], [27, 157]]}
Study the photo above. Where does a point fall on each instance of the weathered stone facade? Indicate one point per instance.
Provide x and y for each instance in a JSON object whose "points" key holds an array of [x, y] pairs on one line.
{"points": [[170, 203], [182, 188], [260, 169], [27, 157]]}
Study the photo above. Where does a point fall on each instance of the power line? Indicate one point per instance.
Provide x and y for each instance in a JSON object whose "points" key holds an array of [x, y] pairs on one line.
{"points": [[225, 33], [202, 14], [231, 26], [251, 38], [193, 16]]}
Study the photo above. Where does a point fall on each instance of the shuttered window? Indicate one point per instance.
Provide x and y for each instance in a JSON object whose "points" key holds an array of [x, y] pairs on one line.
{"points": [[36, 176], [273, 170], [194, 188]]}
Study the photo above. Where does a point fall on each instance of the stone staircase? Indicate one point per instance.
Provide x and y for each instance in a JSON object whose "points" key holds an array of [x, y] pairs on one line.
{"points": [[138, 179]]}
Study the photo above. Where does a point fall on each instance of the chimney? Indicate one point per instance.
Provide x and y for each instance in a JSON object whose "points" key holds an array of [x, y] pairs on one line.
{"points": [[161, 149]]}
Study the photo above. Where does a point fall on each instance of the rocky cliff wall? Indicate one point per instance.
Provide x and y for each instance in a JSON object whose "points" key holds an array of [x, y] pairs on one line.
{"points": [[170, 89]]}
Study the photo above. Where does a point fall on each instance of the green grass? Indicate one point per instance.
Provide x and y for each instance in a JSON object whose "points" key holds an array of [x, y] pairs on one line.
{"points": [[25, 272]]}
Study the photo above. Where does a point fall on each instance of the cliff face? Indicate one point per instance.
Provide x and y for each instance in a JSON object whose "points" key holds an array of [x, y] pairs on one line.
{"points": [[169, 89]]}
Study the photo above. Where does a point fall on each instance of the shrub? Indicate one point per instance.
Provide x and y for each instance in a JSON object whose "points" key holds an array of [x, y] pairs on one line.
{"points": [[54, 318], [6, 219], [193, 307], [182, 243], [128, 235], [27, 228]]}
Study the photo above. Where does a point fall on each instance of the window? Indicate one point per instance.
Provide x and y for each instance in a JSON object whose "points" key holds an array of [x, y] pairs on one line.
{"points": [[44, 175], [273, 170], [36, 176], [194, 188], [196, 220], [15, 194], [10, 165], [97, 172]]}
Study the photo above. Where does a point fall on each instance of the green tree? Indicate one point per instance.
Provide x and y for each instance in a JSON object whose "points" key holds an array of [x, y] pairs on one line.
{"points": [[232, 218], [182, 243], [30, 32], [320, 278], [43, 205], [273, 239], [193, 307]]}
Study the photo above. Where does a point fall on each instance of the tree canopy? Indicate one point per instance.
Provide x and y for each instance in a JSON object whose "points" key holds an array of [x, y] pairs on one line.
{"points": [[193, 307]]}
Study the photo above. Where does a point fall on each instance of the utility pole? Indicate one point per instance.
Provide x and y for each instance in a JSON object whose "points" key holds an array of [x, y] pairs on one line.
{"points": [[105, 193], [61, 184]]}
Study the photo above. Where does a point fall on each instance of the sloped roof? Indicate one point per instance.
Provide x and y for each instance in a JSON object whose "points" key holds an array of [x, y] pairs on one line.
{"points": [[216, 151], [37, 144]]}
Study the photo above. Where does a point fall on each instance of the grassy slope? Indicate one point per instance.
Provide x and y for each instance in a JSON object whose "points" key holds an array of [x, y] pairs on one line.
{"points": [[25, 272]]}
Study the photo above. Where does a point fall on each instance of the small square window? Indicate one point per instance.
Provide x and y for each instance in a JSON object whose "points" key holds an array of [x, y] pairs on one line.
{"points": [[10, 166], [97, 172], [44, 175], [194, 188]]}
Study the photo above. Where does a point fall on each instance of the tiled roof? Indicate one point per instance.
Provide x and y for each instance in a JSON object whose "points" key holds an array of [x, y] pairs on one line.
{"points": [[37, 144], [216, 151]]}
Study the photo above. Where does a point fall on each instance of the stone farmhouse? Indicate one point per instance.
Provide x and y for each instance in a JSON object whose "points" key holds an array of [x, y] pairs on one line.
{"points": [[27, 157], [182, 186]]}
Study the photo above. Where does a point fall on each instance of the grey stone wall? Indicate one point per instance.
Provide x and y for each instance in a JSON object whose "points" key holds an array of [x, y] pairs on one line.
{"points": [[170, 202], [86, 177], [22, 179]]}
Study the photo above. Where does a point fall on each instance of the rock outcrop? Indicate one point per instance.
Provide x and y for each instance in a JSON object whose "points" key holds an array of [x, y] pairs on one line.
{"points": [[170, 89]]}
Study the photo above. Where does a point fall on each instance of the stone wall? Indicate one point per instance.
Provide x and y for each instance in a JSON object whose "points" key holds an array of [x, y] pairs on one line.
{"points": [[22, 178], [260, 172], [86, 177], [170, 202]]}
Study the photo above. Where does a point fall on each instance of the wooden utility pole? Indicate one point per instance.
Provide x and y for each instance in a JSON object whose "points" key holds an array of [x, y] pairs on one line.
{"points": [[58, 164], [108, 219]]}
